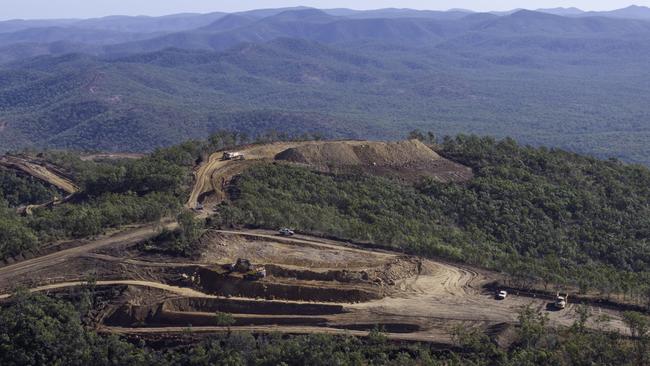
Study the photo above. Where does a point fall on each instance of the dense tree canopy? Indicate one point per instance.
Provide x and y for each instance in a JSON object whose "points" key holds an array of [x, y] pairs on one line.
{"points": [[17, 190], [531, 212]]}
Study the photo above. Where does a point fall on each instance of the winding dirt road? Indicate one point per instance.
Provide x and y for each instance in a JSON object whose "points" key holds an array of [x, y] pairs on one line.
{"points": [[40, 172], [182, 291], [112, 156], [440, 296], [124, 238], [210, 174]]}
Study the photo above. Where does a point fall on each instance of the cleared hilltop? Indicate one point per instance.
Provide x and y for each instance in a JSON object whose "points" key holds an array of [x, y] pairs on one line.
{"points": [[409, 160]]}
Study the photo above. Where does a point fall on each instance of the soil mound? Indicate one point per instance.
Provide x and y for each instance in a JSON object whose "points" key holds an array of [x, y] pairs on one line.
{"points": [[406, 160], [331, 154]]}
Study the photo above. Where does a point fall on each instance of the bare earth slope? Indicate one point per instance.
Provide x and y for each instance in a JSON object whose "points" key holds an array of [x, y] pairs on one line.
{"points": [[363, 153], [403, 160], [406, 160], [314, 285], [40, 171]]}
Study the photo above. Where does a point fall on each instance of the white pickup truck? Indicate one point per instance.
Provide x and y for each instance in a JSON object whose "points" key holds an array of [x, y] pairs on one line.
{"points": [[286, 232]]}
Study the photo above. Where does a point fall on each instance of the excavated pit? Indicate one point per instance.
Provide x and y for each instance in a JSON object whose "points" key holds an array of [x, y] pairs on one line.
{"points": [[201, 312], [171, 318], [226, 285], [241, 306], [386, 274]]}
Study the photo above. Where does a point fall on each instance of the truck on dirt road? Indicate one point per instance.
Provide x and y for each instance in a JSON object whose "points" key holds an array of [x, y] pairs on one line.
{"points": [[229, 155], [286, 232]]}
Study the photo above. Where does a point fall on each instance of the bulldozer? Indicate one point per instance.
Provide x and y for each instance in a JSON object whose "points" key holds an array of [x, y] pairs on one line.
{"points": [[250, 271], [256, 273]]}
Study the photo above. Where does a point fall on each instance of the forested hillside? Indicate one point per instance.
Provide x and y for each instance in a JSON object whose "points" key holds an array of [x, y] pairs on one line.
{"points": [[113, 194], [535, 214], [572, 82], [227, 189]]}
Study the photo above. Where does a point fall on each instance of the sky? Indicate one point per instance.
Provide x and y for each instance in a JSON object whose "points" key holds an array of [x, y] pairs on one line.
{"points": [[40, 9]]}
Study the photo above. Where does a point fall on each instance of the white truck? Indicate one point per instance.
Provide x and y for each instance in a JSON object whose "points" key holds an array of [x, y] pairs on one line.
{"points": [[230, 155], [286, 232]]}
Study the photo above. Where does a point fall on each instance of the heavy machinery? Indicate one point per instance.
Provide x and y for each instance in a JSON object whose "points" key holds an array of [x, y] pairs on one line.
{"points": [[250, 271], [256, 273], [242, 265], [229, 155], [561, 301]]}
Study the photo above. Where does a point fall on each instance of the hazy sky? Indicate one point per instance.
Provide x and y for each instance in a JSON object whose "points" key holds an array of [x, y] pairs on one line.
{"points": [[29, 9]]}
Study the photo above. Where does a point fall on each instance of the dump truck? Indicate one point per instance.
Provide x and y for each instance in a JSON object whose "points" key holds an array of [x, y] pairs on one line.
{"points": [[230, 155], [561, 301]]}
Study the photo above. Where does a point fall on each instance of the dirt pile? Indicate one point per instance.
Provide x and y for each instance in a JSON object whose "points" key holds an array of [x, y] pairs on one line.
{"points": [[405, 160], [397, 269], [138, 305], [373, 153]]}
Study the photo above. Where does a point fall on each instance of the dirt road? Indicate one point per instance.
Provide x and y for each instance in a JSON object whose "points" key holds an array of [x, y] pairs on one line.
{"points": [[125, 238], [438, 297], [112, 156], [40, 172], [444, 291], [210, 174], [182, 291]]}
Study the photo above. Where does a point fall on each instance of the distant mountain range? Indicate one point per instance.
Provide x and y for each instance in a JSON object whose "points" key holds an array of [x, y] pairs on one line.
{"points": [[187, 21], [559, 77], [631, 12]]}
